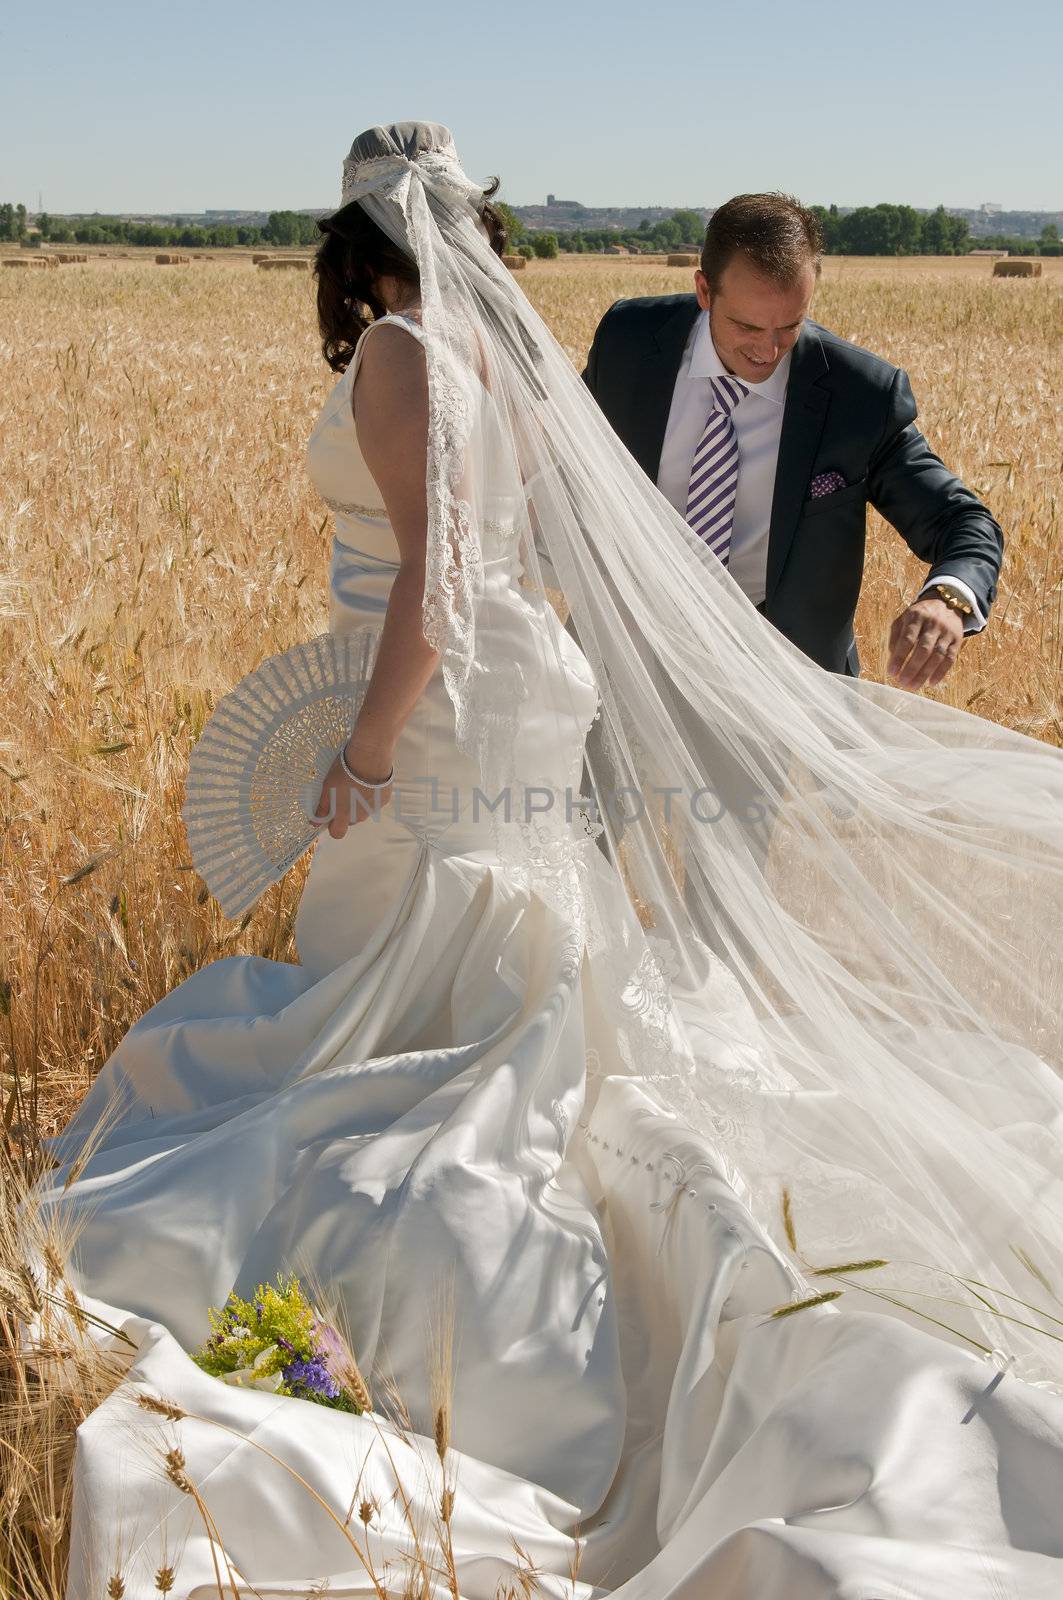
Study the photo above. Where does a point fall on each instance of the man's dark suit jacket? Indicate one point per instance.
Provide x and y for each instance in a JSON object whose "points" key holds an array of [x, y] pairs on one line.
{"points": [[846, 411]]}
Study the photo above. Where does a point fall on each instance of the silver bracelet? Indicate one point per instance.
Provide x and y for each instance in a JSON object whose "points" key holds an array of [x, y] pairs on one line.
{"points": [[362, 782]]}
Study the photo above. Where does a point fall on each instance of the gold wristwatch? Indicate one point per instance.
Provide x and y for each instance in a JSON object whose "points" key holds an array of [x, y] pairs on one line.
{"points": [[952, 598]]}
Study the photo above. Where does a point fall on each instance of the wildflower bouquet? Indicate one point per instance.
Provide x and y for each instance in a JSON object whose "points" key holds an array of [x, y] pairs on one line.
{"points": [[277, 1341]]}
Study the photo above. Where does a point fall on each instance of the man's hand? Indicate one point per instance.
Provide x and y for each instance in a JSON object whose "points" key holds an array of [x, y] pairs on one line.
{"points": [[924, 642]]}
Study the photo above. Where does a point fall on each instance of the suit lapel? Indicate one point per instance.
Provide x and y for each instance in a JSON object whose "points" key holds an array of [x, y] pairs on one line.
{"points": [[657, 373], [802, 427]]}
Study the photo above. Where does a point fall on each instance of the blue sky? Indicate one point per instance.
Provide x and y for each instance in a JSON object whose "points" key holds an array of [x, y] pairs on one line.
{"points": [[121, 106]]}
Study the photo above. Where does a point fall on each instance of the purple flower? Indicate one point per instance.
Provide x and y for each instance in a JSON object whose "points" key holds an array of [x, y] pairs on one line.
{"points": [[330, 1347], [313, 1376]]}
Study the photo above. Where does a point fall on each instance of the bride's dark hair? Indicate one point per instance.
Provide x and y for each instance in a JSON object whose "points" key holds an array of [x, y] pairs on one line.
{"points": [[353, 254]]}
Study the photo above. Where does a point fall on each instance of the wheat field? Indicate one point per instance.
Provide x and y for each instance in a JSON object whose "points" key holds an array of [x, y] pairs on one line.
{"points": [[161, 535]]}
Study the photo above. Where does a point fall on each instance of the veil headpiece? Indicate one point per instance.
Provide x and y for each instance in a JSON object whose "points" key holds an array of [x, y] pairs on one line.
{"points": [[845, 966], [384, 156]]}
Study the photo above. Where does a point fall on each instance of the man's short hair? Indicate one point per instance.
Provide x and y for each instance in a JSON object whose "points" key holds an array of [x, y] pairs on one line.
{"points": [[775, 232]]}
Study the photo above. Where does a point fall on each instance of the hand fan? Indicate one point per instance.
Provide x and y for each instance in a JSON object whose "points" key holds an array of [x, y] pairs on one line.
{"points": [[255, 773]]}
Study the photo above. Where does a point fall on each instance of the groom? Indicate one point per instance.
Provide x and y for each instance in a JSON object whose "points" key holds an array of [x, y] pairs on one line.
{"points": [[771, 435]]}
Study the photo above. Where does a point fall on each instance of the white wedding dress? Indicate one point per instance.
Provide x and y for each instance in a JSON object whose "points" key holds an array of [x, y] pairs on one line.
{"points": [[430, 1107]]}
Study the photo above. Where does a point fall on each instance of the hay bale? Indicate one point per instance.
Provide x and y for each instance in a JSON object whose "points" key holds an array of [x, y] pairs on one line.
{"points": [[300, 263], [1016, 269], [681, 261], [67, 260], [26, 261], [515, 263], [256, 259], [172, 261]]}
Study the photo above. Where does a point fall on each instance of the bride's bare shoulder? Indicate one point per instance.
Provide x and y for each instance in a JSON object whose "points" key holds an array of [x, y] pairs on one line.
{"points": [[391, 361], [392, 356]]}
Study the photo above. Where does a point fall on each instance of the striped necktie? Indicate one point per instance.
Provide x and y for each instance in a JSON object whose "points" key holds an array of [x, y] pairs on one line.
{"points": [[714, 471]]}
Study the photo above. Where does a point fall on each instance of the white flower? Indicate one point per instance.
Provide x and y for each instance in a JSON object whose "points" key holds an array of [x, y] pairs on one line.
{"points": [[252, 1377], [234, 1336]]}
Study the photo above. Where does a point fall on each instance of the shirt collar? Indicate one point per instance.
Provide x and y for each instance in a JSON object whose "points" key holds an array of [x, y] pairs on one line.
{"points": [[705, 363]]}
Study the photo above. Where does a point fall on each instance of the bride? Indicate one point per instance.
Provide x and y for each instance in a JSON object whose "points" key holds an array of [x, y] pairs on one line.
{"points": [[735, 1182]]}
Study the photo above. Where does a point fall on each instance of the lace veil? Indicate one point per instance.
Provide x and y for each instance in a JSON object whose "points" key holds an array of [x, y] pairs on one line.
{"points": [[838, 950]]}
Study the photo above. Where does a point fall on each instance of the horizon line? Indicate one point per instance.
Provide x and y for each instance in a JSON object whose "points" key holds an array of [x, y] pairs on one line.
{"points": [[525, 205]]}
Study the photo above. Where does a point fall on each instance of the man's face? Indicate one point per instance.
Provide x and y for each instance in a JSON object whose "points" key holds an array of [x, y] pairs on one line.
{"points": [[753, 320]]}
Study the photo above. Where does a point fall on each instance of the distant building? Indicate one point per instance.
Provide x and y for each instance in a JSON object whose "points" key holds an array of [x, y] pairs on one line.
{"points": [[565, 215]]}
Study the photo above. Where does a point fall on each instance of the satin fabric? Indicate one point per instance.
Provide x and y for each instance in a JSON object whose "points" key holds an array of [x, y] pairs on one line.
{"points": [[428, 1110]]}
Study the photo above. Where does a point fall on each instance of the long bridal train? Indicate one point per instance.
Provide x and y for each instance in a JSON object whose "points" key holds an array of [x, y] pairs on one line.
{"points": [[625, 1403], [434, 1103]]}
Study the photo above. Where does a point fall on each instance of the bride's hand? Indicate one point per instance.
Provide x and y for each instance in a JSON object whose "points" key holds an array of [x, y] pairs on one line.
{"points": [[343, 804]]}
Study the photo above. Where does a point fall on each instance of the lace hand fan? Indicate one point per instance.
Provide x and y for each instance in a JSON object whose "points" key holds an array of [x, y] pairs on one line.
{"points": [[255, 773]]}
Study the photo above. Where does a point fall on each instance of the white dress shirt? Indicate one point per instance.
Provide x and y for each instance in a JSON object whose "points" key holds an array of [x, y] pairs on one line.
{"points": [[757, 422]]}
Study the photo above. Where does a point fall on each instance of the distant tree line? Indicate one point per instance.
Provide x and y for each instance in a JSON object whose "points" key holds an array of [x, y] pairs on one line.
{"points": [[669, 233], [12, 221], [288, 228], [1049, 244], [882, 230], [888, 230]]}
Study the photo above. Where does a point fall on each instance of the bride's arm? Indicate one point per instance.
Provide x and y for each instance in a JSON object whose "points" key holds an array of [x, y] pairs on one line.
{"points": [[391, 416]]}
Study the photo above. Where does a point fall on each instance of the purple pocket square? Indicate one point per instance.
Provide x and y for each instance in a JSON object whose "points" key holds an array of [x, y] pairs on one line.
{"points": [[825, 483]]}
